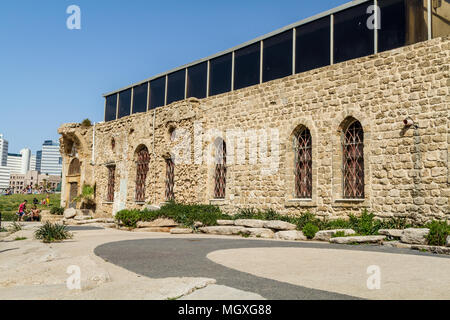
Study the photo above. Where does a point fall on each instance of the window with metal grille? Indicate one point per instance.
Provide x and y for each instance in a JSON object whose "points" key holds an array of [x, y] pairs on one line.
{"points": [[170, 180], [353, 161], [75, 167], [220, 176], [111, 183], [143, 159], [303, 164]]}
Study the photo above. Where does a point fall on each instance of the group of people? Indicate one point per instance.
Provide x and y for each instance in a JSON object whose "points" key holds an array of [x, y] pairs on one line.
{"points": [[34, 214]]}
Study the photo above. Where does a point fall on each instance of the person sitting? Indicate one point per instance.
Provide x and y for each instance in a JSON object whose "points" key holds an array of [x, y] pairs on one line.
{"points": [[35, 214]]}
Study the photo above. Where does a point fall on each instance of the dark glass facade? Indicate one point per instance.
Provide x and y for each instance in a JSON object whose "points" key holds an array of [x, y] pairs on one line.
{"points": [[277, 56], [176, 86], [157, 92], [140, 94], [111, 107], [247, 63], [220, 75], [352, 37], [124, 103], [312, 49], [197, 80]]}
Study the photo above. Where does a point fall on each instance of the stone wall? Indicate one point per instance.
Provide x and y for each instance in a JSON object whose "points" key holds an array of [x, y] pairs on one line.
{"points": [[406, 168]]}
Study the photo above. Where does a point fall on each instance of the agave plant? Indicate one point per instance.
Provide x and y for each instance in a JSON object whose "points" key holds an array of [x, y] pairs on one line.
{"points": [[52, 232]]}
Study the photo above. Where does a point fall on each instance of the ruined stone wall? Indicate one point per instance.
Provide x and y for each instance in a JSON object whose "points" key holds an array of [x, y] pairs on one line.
{"points": [[406, 168]]}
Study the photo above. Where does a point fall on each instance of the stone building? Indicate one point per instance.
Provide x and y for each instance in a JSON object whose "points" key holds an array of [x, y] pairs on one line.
{"points": [[327, 115]]}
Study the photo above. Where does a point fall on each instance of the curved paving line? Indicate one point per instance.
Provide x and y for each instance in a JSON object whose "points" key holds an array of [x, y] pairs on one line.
{"points": [[165, 258]]}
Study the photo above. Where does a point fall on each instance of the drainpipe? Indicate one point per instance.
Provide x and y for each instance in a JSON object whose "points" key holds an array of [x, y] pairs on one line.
{"points": [[93, 145]]}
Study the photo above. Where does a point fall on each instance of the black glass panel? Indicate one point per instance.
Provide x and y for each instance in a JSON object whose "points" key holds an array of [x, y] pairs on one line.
{"points": [[246, 66], [312, 48], [197, 78], [352, 37], [277, 56], [175, 86], [403, 22], [220, 75], [140, 98], [124, 103], [111, 107], [157, 92]]}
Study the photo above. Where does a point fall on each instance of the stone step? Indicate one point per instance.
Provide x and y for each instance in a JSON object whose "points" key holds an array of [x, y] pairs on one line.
{"points": [[358, 239]]}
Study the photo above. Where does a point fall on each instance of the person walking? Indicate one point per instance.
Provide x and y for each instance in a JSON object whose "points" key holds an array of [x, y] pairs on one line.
{"points": [[22, 208]]}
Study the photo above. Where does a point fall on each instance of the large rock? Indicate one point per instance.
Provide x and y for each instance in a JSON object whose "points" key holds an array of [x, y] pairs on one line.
{"points": [[225, 230], [391, 233], [151, 207], [249, 223], [70, 213], [360, 239], [181, 231], [415, 236], [326, 235], [225, 222], [157, 223], [292, 235], [261, 233], [279, 225]]}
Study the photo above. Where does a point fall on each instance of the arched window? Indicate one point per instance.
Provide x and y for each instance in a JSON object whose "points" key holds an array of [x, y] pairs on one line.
{"points": [[303, 164], [143, 159], [170, 179], [353, 161], [75, 167], [220, 174]]}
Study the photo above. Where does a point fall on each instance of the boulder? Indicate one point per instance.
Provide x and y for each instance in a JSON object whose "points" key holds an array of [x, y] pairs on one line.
{"points": [[291, 235], [249, 223], [326, 235], [415, 236], [279, 225], [157, 223], [154, 229], [391, 233], [359, 239], [225, 222], [151, 207], [181, 231], [448, 241], [70, 213], [261, 233], [198, 224], [225, 230]]}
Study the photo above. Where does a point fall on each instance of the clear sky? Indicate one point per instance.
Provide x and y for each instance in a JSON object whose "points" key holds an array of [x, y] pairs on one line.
{"points": [[51, 75]]}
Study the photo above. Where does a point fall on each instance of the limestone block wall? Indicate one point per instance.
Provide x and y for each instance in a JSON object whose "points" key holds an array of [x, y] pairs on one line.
{"points": [[406, 168]]}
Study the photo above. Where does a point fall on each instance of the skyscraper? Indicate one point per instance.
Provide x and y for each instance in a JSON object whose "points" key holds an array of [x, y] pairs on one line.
{"points": [[51, 160], [3, 151]]}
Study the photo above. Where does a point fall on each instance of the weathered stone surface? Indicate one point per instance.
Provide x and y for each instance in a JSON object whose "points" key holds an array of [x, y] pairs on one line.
{"points": [[434, 249], [249, 223], [150, 207], [70, 213], [157, 223], [292, 235], [225, 222], [154, 229], [326, 235], [448, 241], [358, 239], [392, 233], [396, 244], [279, 225], [415, 236], [225, 230], [181, 231], [261, 233]]}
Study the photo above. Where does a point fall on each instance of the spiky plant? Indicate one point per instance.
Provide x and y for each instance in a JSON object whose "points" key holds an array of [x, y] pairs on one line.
{"points": [[52, 232]]}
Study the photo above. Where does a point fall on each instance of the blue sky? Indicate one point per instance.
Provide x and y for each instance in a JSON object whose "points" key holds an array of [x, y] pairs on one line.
{"points": [[51, 75]]}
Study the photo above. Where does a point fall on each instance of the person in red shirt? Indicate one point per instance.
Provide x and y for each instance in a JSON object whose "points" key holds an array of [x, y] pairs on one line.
{"points": [[22, 208]]}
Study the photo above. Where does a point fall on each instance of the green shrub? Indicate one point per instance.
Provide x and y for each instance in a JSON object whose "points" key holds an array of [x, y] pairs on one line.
{"points": [[86, 123], [395, 223], [9, 217], [366, 224], [20, 238], [50, 232], [128, 218], [310, 230], [57, 211], [439, 231]]}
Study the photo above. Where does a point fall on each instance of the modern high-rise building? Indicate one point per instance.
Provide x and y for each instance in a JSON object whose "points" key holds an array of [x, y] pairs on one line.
{"points": [[51, 160], [5, 176], [38, 160], [3, 151], [14, 163]]}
